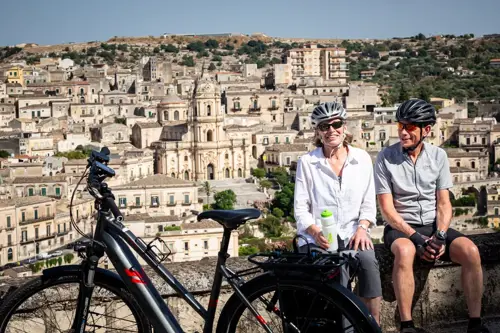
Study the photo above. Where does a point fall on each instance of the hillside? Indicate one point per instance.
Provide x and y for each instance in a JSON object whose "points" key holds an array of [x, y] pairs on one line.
{"points": [[444, 66]]}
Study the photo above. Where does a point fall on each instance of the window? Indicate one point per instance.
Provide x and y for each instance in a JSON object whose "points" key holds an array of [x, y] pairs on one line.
{"points": [[288, 161], [458, 164], [496, 210], [185, 158], [8, 222], [186, 198], [186, 175], [10, 256], [35, 213], [137, 201], [287, 140], [255, 104], [122, 202], [382, 136], [236, 105], [209, 136], [226, 156], [58, 228], [48, 230], [70, 91], [23, 216], [483, 141], [155, 201], [24, 236], [171, 200], [273, 104], [240, 173], [38, 114], [209, 110], [43, 191], [276, 139], [205, 245], [30, 192], [176, 115], [473, 165], [265, 141], [186, 246], [36, 233], [58, 191], [467, 141], [274, 117], [32, 114], [160, 228]]}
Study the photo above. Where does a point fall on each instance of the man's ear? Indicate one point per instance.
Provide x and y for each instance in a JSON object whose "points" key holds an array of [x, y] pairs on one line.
{"points": [[428, 129]]}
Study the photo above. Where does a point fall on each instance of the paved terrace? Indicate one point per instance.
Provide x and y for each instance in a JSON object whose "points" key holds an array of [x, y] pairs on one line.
{"points": [[439, 302]]}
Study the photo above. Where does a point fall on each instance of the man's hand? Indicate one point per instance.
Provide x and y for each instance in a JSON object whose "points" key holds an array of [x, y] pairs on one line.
{"points": [[361, 240], [436, 247], [421, 243]]}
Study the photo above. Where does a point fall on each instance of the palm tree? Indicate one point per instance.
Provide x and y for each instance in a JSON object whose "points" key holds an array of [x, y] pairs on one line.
{"points": [[208, 190]]}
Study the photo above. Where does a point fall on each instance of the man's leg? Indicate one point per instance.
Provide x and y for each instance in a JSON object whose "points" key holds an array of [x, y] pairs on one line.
{"points": [[464, 252], [402, 275]]}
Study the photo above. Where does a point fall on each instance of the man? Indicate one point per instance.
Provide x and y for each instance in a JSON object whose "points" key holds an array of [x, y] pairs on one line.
{"points": [[412, 179]]}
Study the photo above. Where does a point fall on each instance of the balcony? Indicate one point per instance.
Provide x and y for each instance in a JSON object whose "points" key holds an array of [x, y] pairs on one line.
{"points": [[254, 109], [135, 206], [62, 233], [37, 239], [39, 219], [41, 148], [184, 203], [154, 205], [87, 115], [171, 204], [55, 196], [273, 108], [236, 109]]}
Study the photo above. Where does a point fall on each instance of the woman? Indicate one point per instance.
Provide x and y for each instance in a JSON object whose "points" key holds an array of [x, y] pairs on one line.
{"points": [[339, 177]]}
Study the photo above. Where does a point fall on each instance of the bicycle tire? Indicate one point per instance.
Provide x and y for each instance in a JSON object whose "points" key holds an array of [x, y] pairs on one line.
{"points": [[345, 301], [37, 286]]}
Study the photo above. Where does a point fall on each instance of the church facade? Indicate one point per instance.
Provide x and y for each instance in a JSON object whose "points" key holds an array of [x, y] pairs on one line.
{"points": [[194, 144]]}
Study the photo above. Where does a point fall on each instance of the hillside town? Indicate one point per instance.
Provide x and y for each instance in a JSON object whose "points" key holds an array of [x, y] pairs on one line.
{"points": [[187, 120]]}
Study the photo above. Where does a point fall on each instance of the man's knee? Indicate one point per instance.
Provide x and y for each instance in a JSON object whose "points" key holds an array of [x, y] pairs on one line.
{"points": [[368, 260], [464, 252], [404, 251]]}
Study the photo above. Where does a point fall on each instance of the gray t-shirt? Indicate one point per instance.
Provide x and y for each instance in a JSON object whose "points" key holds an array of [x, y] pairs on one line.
{"points": [[413, 185]]}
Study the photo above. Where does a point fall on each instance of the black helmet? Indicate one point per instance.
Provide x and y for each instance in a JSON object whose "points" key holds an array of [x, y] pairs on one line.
{"points": [[416, 111]]}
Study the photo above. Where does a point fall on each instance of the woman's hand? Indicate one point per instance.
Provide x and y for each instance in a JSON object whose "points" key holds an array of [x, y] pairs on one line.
{"points": [[316, 233], [361, 240]]}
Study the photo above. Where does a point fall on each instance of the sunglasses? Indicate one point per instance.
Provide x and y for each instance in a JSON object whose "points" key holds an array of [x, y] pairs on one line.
{"points": [[325, 127], [408, 127]]}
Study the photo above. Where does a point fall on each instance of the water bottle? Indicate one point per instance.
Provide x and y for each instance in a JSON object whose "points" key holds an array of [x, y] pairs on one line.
{"points": [[329, 228]]}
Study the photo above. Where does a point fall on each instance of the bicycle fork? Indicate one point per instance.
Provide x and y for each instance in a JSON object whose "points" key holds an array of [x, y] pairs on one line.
{"points": [[85, 294]]}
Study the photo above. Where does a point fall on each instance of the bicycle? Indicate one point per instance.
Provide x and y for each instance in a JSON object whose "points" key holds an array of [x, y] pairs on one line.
{"points": [[285, 280]]}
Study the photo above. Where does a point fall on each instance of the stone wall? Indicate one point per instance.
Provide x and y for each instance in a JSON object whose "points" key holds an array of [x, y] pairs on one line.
{"points": [[439, 299]]}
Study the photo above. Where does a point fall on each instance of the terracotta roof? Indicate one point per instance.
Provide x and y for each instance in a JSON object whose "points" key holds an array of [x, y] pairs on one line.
{"points": [[203, 224]]}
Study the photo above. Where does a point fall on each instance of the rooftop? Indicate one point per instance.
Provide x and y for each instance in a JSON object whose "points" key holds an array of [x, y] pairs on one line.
{"points": [[148, 125], [38, 179], [25, 201], [157, 180], [203, 224], [288, 148]]}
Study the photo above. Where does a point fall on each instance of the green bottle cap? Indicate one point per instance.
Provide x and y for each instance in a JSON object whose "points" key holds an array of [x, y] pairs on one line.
{"points": [[326, 213]]}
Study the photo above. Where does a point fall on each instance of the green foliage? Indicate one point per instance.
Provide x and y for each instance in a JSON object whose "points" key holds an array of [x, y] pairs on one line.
{"points": [[207, 207], [9, 51], [259, 173], [73, 155], [403, 94], [68, 258], [202, 54], [459, 211], [464, 201], [281, 175], [196, 46], [264, 183], [188, 61], [229, 47], [122, 47], [171, 228], [212, 44], [224, 200], [244, 251], [212, 67], [169, 48], [156, 50], [59, 261], [271, 226], [121, 121], [253, 47], [216, 58], [4, 154], [278, 213]]}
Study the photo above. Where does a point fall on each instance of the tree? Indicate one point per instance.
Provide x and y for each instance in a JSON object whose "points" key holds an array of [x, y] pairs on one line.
{"points": [[271, 226], [266, 184], [196, 46], [156, 50], [4, 154], [188, 61], [281, 176], [212, 44], [211, 67], [403, 94], [208, 189], [424, 93], [278, 212], [169, 48], [244, 251], [259, 173], [224, 200]]}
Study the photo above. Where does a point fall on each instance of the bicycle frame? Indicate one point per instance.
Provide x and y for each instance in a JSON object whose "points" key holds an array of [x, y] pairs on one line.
{"points": [[117, 239]]}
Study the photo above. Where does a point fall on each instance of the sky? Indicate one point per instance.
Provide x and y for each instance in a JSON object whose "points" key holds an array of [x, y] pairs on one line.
{"points": [[62, 21]]}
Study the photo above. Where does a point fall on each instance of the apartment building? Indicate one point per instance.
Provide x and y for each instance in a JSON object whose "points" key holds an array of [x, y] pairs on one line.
{"points": [[282, 155], [26, 227], [158, 195], [267, 105], [467, 166], [36, 145], [277, 135], [328, 63], [46, 186]]}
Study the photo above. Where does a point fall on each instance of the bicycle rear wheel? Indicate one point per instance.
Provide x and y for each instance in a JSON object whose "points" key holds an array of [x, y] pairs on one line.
{"points": [[48, 304], [294, 306]]}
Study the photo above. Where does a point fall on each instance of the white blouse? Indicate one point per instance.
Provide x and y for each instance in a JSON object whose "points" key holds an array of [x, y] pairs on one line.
{"points": [[350, 198]]}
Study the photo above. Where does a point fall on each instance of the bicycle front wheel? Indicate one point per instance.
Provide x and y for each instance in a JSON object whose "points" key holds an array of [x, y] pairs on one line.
{"points": [[294, 306], [48, 304]]}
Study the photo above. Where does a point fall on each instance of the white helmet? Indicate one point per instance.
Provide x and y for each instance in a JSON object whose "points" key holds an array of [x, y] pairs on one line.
{"points": [[327, 111]]}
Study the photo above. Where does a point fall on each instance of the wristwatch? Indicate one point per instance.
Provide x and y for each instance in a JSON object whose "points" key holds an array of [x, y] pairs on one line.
{"points": [[441, 235], [368, 230]]}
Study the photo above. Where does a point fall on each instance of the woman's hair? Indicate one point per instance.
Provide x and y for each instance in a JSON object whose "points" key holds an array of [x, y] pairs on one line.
{"points": [[317, 138]]}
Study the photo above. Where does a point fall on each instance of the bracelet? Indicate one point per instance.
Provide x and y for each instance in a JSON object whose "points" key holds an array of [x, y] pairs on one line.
{"points": [[364, 227]]}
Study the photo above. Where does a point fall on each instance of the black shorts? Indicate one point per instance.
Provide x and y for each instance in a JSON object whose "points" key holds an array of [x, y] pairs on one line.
{"points": [[390, 235]]}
